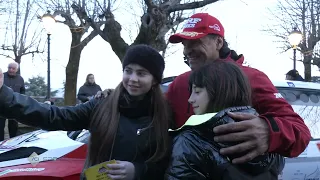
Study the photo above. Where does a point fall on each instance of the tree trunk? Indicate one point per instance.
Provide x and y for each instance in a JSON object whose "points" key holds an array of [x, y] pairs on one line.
{"points": [[72, 69], [307, 67], [18, 60]]}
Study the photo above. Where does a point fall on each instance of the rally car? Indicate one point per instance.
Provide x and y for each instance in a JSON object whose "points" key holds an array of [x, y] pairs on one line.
{"points": [[61, 155], [43, 155]]}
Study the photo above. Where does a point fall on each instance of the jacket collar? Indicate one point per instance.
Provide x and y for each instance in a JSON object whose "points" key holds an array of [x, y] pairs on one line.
{"points": [[214, 119], [195, 120], [239, 59], [8, 75]]}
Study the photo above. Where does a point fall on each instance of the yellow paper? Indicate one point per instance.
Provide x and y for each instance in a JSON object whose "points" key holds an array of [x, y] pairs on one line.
{"points": [[98, 172]]}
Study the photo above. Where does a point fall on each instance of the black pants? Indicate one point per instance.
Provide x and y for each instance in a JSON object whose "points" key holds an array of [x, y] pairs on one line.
{"points": [[12, 126]]}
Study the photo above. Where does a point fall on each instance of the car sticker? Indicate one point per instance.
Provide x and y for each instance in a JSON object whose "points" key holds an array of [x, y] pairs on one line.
{"points": [[290, 84], [20, 170]]}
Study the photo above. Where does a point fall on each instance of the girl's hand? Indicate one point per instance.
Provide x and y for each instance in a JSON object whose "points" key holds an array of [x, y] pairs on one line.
{"points": [[123, 170]]}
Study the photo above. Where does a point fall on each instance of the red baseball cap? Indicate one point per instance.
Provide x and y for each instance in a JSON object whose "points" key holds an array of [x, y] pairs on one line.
{"points": [[198, 26]]}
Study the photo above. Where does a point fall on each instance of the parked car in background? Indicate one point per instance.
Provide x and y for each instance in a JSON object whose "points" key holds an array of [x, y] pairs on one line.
{"points": [[304, 97]]}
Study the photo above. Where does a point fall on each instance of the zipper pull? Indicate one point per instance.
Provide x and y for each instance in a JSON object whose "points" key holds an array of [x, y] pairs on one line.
{"points": [[139, 131]]}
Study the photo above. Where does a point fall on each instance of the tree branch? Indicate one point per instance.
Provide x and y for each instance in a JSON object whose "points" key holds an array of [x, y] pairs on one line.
{"points": [[22, 54], [83, 15], [164, 30], [82, 23], [92, 35], [31, 52], [188, 6], [68, 19], [111, 32], [7, 56], [149, 4], [6, 48]]}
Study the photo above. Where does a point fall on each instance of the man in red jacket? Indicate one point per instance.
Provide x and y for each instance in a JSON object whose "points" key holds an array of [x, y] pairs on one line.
{"points": [[277, 129]]}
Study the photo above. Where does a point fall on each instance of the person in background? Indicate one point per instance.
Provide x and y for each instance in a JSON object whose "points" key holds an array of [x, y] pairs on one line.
{"points": [[16, 83], [217, 90], [293, 75], [281, 130], [89, 89]]}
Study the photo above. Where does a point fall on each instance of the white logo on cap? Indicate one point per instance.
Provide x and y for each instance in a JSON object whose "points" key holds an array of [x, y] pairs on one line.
{"points": [[191, 34], [215, 27], [191, 22]]}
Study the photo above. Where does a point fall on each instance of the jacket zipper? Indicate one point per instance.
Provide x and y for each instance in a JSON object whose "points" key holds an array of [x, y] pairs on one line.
{"points": [[141, 130], [114, 139]]}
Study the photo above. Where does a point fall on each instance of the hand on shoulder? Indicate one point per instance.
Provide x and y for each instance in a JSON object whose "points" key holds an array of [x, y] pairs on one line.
{"points": [[103, 94]]}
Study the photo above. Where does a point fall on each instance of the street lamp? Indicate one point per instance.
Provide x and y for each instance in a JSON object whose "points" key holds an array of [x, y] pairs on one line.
{"points": [[48, 23], [295, 38]]}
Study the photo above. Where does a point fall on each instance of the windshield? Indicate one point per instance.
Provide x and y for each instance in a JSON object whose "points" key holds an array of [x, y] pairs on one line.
{"points": [[306, 103]]}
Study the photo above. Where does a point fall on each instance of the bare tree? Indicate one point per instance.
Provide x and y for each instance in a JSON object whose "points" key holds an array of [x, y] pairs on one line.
{"points": [[305, 16], [78, 28], [2, 7], [22, 35], [159, 17]]}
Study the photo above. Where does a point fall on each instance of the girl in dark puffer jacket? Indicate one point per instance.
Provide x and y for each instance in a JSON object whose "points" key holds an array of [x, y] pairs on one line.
{"points": [[216, 89]]}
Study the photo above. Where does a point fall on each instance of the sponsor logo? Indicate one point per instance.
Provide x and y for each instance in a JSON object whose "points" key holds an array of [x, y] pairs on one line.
{"points": [[34, 159], [191, 34], [278, 95], [290, 84], [216, 27], [191, 22]]}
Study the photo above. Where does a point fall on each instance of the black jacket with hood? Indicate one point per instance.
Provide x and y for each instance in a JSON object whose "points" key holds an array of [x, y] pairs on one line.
{"points": [[195, 156], [134, 141]]}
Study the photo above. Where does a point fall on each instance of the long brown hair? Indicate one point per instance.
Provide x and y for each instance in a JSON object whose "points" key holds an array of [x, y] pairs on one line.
{"points": [[105, 120], [226, 84]]}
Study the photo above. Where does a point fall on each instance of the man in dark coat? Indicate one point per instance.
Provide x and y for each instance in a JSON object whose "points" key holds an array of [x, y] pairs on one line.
{"points": [[16, 83]]}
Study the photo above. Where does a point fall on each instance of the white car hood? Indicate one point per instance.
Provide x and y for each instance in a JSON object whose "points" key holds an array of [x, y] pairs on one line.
{"points": [[57, 144]]}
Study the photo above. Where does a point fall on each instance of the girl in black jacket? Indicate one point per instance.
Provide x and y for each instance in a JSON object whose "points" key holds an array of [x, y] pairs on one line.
{"points": [[130, 125], [216, 89]]}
